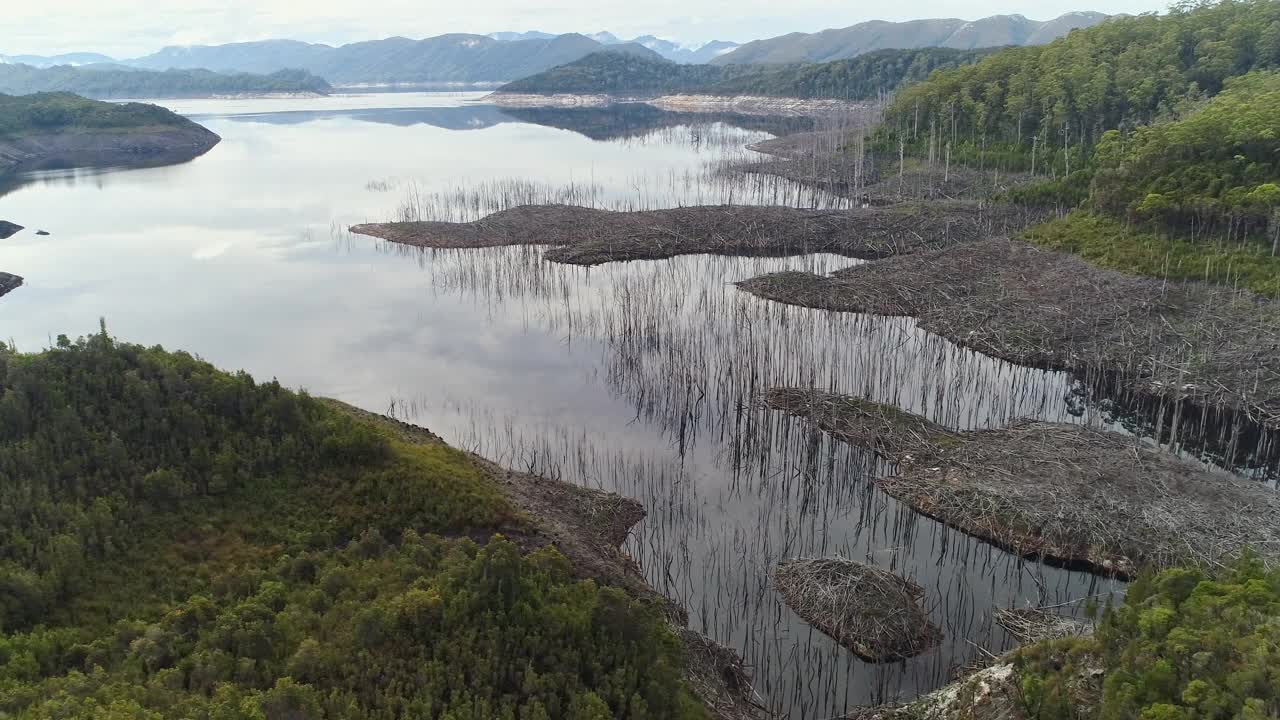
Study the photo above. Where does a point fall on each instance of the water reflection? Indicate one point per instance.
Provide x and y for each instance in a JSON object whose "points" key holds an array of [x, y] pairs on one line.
{"points": [[733, 489]]}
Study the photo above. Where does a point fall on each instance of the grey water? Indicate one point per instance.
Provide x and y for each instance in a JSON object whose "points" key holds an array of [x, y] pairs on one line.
{"points": [[639, 378]]}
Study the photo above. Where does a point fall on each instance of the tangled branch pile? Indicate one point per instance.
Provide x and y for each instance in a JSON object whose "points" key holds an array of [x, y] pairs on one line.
{"points": [[586, 236], [1214, 346], [874, 613], [1066, 493]]}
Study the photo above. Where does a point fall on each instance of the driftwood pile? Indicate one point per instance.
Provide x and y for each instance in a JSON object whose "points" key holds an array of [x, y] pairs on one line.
{"points": [[1212, 346], [873, 612], [586, 236], [1065, 493]]}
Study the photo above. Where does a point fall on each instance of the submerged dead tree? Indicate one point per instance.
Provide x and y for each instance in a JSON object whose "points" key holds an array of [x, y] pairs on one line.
{"points": [[1068, 494], [873, 612]]}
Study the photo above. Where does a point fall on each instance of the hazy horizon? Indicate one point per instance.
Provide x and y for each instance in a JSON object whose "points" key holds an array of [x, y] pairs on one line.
{"points": [[132, 28]]}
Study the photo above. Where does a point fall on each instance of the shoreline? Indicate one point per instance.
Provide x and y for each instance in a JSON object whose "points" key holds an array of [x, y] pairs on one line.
{"points": [[88, 148], [740, 104], [1065, 494], [588, 527], [586, 236], [1178, 342]]}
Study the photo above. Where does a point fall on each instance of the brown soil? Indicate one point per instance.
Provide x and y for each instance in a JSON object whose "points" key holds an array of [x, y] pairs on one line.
{"points": [[873, 612], [1065, 493], [584, 236], [1210, 345], [588, 527]]}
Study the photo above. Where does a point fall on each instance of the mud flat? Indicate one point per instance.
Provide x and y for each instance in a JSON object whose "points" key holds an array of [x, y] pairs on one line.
{"points": [[1210, 346], [588, 527], [1072, 495], [585, 236], [873, 612], [9, 283]]}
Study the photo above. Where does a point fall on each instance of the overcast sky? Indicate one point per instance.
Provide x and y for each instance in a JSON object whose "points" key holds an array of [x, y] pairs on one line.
{"points": [[128, 28]]}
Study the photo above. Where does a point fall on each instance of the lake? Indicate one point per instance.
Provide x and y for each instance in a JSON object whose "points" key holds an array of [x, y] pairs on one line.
{"points": [[639, 378]]}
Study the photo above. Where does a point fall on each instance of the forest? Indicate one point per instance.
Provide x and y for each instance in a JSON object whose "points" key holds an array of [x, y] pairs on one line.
{"points": [[65, 112], [109, 82], [864, 77], [1158, 130], [181, 542], [1185, 645]]}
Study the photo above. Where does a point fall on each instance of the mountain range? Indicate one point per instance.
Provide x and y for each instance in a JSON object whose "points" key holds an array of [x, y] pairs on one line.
{"points": [[43, 61], [453, 58], [673, 51], [836, 44]]}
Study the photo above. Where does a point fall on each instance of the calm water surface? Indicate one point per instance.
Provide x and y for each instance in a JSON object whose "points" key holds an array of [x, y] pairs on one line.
{"points": [[638, 377]]}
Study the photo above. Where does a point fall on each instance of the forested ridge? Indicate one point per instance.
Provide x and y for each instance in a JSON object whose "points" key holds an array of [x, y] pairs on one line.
{"points": [[106, 82], [180, 542], [65, 112], [860, 78], [1165, 126], [1185, 645]]}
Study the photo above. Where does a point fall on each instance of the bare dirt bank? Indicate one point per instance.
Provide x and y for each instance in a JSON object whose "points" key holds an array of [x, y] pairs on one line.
{"points": [[584, 236], [1072, 495], [98, 148], [588, 527], [1210, 345]]}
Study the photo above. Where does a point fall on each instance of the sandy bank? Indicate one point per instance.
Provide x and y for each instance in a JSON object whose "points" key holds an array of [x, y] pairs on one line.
{"points": [[584, 236], [1072, 495]]}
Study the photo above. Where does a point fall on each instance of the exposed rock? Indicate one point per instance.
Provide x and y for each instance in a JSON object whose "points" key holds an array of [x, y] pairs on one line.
{"points": [[42, 232]]}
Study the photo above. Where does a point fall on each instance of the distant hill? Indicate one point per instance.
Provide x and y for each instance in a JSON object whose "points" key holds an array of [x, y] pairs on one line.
{"points": [[43, 61], [672, 51], [867, 37], [97, 81], [851, 79], [455, 58]]}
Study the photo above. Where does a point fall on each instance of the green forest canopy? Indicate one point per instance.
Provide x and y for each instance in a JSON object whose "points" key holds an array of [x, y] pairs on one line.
{"points": [[1185, 645], [104, 82], [65, 112], [1167, 120], [857, 78], [176, 541]]}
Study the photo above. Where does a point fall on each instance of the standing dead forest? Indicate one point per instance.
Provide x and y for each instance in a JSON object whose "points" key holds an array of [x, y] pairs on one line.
{"points": [[959, 400]]}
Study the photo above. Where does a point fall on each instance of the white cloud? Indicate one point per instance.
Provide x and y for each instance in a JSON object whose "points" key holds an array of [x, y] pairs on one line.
{"points": [[126, 28]]}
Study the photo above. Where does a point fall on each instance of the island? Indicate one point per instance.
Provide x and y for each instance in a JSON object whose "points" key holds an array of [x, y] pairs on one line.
{"points": [[72, 130]]}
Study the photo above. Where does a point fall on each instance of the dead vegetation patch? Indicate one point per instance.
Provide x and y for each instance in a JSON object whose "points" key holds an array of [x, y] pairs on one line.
{"points": [[1209, 345], [873, 612], [1068, 494], [1033, 624], [586, 236]]}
